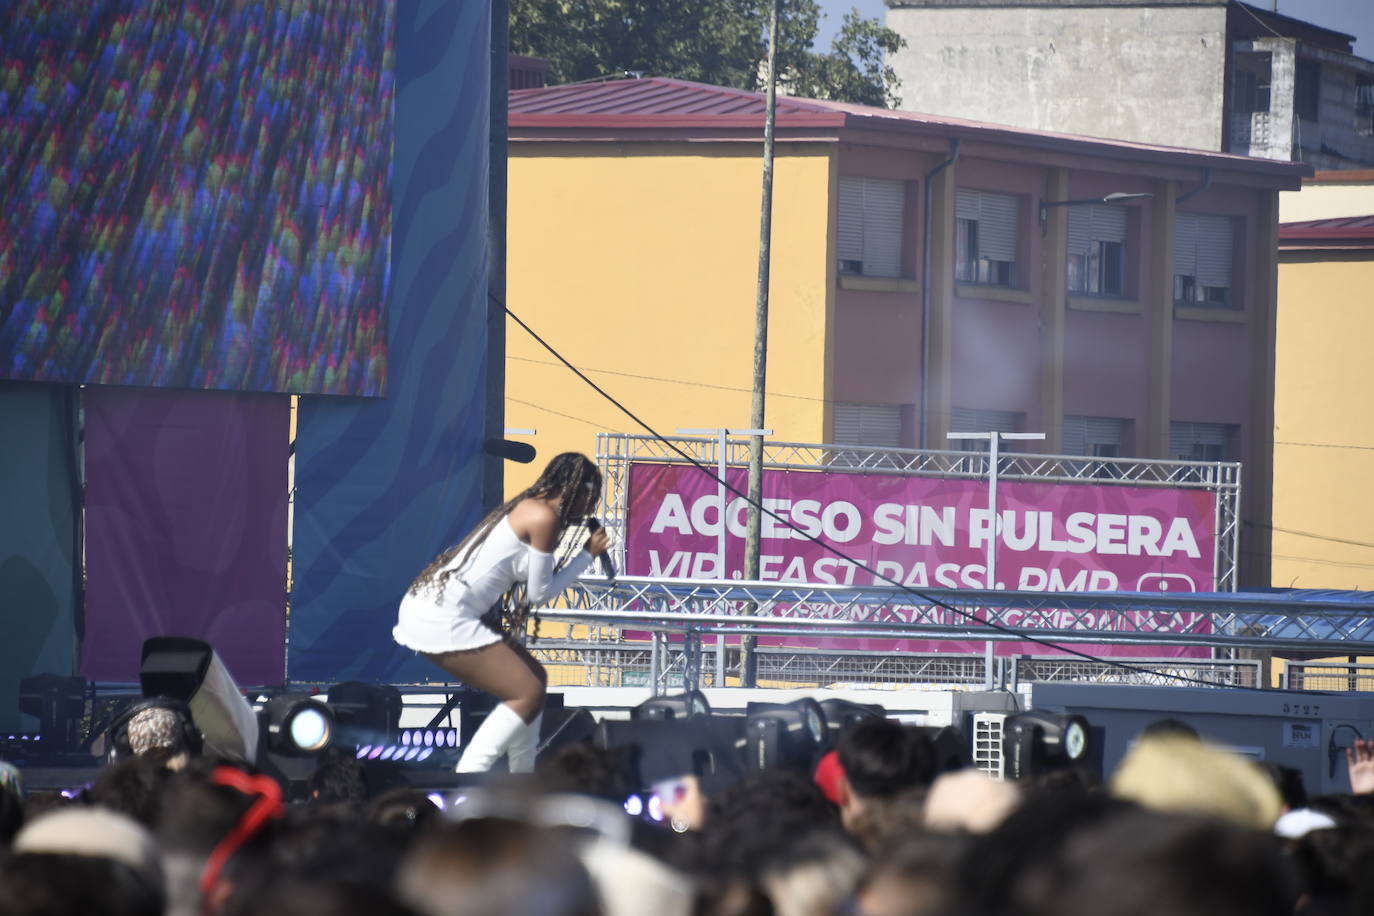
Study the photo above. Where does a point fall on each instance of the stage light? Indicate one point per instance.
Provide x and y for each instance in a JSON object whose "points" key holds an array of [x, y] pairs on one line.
{"points": [[1038, 742], [655, 807], [655, 750], [190, 670], [297, 725], [841, 714], [58, 703], [791, 735], [634, 806], [365, 711], [677, 706], [424, 755], [364, 751]]}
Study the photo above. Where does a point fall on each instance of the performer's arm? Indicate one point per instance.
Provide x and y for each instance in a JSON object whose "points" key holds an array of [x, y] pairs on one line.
{"points": [[543, 582]]}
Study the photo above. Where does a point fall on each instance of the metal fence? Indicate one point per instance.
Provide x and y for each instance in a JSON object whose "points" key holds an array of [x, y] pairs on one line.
{"points": [[1332, 676]]}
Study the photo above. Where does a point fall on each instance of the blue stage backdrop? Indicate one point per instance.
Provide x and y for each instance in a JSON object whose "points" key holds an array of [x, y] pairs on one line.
{"points": [[382, 486], [36, 576]]}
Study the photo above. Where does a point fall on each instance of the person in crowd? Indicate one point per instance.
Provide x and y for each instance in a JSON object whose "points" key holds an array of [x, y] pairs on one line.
{"points": [[445, 613], [11, 803], [488, 865], [885, 769], [80, 861], [915, 876]]}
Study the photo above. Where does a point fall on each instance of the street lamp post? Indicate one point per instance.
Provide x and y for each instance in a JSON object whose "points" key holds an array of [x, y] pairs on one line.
{"points": [[993, 438]]}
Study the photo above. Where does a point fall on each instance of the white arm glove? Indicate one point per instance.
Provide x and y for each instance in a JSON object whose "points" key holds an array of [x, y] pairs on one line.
{"points": [[543, 584]]}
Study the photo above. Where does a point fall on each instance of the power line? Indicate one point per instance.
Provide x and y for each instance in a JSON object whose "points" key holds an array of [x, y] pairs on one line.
{"points": [[676, 381], [825, 545], [1360, 448], [1308, 534], [600, 427]]}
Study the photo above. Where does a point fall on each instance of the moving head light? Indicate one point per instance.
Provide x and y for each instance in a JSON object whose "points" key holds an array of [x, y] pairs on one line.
{"points": [[677, 706], [297, 725], [1034, 743], [790, 735]]}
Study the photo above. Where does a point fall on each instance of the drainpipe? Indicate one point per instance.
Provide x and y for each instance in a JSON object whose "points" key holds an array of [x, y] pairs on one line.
{"points": [[925, 288], [1206, 183]]}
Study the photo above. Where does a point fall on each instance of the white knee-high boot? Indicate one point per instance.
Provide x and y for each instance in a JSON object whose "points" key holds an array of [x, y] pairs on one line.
{"points": [[525, 745], [499, 730]]}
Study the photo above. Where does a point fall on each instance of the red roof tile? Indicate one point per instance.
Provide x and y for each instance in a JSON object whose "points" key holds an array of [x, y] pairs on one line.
{"points": [[1345, 227], [620, 109]]}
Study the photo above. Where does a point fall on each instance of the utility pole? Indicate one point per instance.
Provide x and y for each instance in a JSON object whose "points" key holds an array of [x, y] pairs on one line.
{"points": [[748, 660]]}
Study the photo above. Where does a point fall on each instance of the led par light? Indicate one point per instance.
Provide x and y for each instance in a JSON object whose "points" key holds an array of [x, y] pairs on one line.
{"points": [[297, 725], [1039, 742], [189, 670], [677, 706]]}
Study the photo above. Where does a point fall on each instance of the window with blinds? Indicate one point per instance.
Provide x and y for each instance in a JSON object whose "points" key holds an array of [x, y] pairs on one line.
{"points": [[871, 226], [1098, 437], [1202, 260], [985, 237], [1202, 441], [874, 425], [1097, 250], [972, 420]]}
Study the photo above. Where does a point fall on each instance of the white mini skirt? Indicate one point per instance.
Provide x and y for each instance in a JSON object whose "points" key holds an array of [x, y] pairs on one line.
{"points": [[435, 629]]}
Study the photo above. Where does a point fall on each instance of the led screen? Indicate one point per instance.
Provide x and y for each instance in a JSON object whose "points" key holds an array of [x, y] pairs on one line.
{"points": [[196, 194]]}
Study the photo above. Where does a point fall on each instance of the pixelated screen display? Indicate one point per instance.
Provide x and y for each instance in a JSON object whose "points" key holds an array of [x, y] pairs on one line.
{"points": [[196, 194]]}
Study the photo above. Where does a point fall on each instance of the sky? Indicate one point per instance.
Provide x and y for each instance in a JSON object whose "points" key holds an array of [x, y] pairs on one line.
{"points": [[1354, 17]]}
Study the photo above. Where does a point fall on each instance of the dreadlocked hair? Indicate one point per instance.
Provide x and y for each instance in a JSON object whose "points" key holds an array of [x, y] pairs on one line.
{"points": [[566, 475]]}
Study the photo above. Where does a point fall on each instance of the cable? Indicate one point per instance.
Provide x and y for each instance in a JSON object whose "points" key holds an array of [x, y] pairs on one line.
{"points": [[835, 550]]}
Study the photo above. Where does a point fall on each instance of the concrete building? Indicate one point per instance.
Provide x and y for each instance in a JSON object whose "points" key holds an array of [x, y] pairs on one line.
{"points": [[1323, 423], [1141, 329], [1204, 74]]}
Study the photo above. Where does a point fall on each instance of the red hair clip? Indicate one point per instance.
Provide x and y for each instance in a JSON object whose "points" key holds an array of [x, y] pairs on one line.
{"points": [[267, 806]]}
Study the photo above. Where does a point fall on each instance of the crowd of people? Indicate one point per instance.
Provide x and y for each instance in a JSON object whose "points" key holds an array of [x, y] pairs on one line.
{"points": [[881, 827]]}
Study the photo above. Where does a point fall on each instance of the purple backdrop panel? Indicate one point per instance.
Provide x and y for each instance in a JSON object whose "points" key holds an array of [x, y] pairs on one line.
{"points": [[186, 527]]}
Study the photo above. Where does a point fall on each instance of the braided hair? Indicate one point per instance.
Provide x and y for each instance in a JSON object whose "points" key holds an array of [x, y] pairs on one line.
{"points": [[569, 475]]}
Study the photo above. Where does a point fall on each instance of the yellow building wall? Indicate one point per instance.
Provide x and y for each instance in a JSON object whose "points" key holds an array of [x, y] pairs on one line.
{"points": [[1324, 424], [639, 264]]}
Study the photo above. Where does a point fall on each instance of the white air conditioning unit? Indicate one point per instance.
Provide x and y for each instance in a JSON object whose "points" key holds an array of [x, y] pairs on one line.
{"points": [[987, 742]]}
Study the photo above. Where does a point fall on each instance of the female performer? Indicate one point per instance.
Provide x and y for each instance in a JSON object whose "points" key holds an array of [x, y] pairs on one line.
{"points": [[441, 615]]}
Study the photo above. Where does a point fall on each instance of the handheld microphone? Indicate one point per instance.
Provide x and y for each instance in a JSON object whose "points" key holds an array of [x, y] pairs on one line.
{"points": [[607, 564]]}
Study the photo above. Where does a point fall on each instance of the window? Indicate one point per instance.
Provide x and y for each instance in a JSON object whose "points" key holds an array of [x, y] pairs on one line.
{"points": [[1250, 87], [871, 226], [1202, 261], [873, 425], [1364, 106], [1097, 250], [1098, 437], [970, 420], [1202, 441], [1307, 89], [985, 237]]}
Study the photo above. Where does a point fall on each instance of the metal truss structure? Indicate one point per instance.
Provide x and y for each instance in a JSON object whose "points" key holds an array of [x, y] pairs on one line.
{"points": [[616, 451], [693, 618]]}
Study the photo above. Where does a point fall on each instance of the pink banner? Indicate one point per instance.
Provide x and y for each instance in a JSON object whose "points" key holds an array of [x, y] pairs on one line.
{"points": [[933, 533]]}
